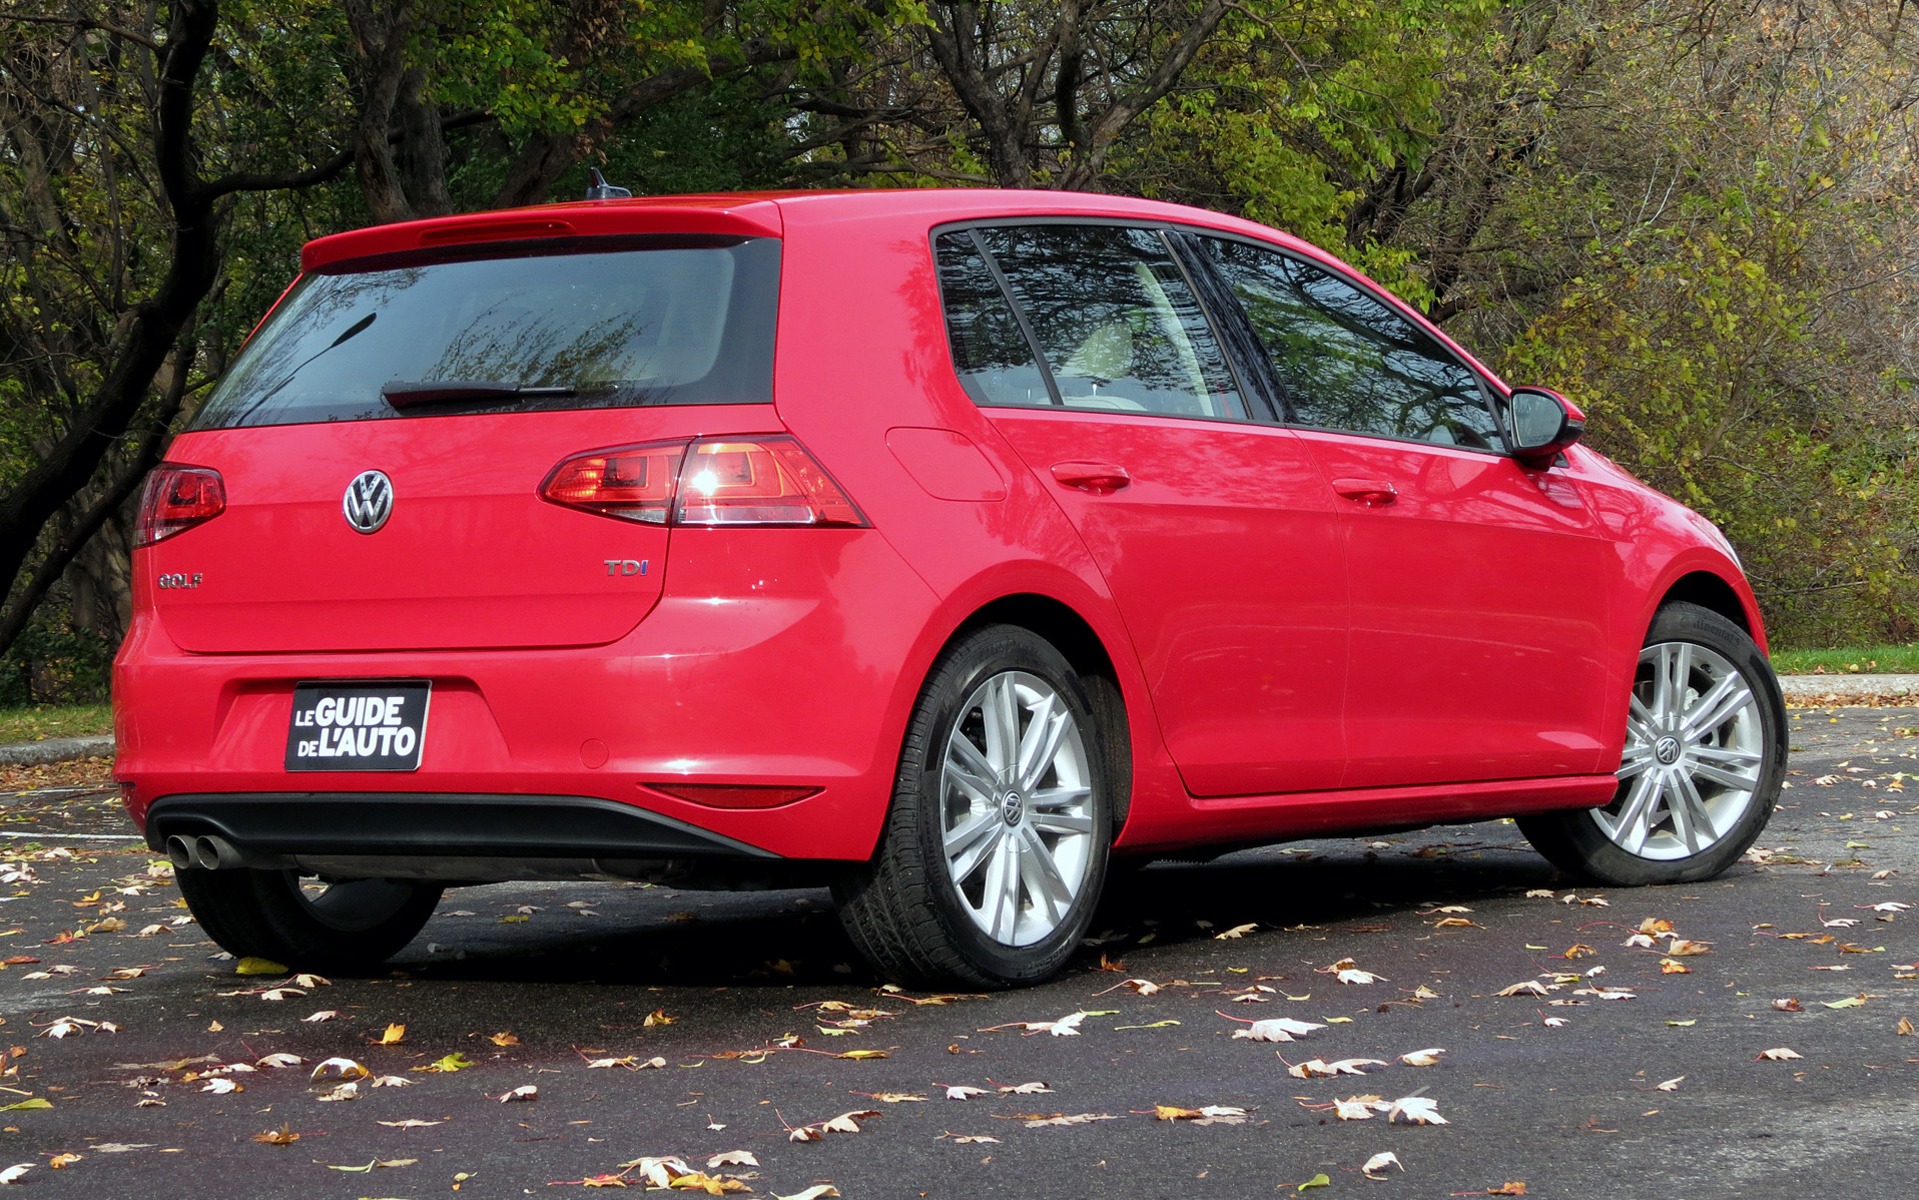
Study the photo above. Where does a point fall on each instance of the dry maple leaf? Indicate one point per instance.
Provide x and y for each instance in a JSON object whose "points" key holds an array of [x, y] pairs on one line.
{"points": [[1237, 931], [281, 1060], [1277, 1029], [712, 1185], [1682, 947], [1904, 1027], [283, 1136], [1671, 966], [732, 1158], [1422, 1058], [1417, 1110], [343, 1068], [394, 1035], [1789, 1004], [1359, 1108], [349, 1090], [524, 1092], [1025, 1089], [325, 1014], [1074, 1119], [1670, 1085], [1531, 987], [1379, 1162], [961, 1091], [1514, 1187], [1779, 1054]]}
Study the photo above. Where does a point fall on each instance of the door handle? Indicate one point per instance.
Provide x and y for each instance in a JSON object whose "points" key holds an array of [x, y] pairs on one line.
{"points": [[1372, 493], [1100, 479]]}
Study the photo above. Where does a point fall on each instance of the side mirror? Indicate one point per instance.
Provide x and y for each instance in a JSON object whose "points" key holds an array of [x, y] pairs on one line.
{"points": [[1540, 424]]}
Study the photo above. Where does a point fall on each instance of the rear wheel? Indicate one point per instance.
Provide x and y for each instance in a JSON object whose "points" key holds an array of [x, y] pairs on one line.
{"points": [[344, 925], [1705, 750], [995, 847]]}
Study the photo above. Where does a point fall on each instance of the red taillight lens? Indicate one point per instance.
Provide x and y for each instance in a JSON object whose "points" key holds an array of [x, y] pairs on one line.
{"points": [[633, 483], [766, 481], [176, 499], [720, 481]]}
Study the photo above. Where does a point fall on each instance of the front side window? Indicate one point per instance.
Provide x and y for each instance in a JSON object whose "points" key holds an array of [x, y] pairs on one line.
{"points": [[672, 324], [1345, 360], [1111, 313]]}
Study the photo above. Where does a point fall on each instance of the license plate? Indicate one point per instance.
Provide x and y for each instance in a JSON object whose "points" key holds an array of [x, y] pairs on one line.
{"points": [[358, 726]]}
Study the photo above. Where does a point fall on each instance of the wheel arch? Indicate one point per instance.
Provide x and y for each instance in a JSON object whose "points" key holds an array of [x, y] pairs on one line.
{"points": [[1711, 591]]}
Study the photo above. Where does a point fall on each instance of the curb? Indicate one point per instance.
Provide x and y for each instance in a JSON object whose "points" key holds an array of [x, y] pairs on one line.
{"points": [[55, 750]]}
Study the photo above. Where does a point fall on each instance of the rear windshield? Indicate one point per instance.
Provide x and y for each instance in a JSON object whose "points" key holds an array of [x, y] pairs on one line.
{"points": [[673, 323]]}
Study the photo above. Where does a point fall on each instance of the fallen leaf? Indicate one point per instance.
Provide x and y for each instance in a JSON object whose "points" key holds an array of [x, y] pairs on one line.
{"points": [[1237, 931], [1317, 1181], [1013, 1089], [1670, 1085], [1379, 1162], [1790, 1004], [1075, 1119], [1779, 1054], [1531, 987], [523, 1092], [1904, 1027], [25, 1105], [1276, 1029], [281, 1060], [1418, 1110], [283, 1136], [411, 1123], [504, 1039], [394, 1035], [1422, 1058], [325, 1014], [448, 1064], [732, 1158], [258, 966], [342, 1068], [819, 1191]]}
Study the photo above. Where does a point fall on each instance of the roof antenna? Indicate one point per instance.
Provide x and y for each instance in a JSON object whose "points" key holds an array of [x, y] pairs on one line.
{"points": [[600, 189]]}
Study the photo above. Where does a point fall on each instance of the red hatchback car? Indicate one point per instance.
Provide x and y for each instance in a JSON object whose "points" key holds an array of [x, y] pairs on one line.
{"points": [[943, 546]]}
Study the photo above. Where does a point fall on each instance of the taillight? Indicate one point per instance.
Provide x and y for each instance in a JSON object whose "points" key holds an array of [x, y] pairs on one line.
{"points": [[175, 500], [714, 481]]}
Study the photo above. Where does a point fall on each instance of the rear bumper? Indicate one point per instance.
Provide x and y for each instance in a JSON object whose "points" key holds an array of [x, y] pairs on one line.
{"points": [[758, 673]]}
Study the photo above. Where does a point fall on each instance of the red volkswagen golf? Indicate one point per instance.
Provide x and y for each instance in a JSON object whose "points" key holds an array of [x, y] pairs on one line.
{"points": [[943, 547]]}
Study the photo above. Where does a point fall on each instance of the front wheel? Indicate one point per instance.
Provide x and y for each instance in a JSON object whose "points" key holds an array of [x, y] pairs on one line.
{"points": [[346, 926], [995, 847], [1705, 751]]}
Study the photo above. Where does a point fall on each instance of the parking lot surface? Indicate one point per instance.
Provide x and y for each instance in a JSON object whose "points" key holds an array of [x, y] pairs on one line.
{"points": [[1750, 1041]]}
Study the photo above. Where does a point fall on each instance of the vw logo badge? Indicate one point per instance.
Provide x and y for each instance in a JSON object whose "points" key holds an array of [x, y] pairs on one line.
{"points": [[368, 501]]}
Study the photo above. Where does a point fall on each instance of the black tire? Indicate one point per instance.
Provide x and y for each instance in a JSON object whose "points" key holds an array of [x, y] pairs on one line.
{"points": [[1678, 816], [351, 927], [905, 910]]}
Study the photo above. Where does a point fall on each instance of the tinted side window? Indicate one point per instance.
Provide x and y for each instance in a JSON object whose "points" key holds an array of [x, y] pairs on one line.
{"points": [[679, 324], [1346, 360], [990, 352], [1115, 320]]}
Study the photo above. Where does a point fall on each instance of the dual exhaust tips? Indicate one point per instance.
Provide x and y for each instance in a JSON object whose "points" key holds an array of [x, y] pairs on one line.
{"points": [[205, 852]]}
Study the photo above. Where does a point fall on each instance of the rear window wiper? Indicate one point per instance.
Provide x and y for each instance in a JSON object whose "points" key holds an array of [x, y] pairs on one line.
{"points": [[404, 394]]}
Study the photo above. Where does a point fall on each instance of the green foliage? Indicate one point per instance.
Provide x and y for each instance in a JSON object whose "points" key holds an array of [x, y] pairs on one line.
{"points": [[41, 721], [55, 662]]}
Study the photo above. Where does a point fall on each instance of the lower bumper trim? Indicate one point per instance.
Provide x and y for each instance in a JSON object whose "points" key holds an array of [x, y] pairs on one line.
{"points": [[270, 826]]}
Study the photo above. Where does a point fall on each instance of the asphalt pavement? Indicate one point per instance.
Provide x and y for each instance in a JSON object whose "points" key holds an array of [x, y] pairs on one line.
{"points": [[659, 1025]]}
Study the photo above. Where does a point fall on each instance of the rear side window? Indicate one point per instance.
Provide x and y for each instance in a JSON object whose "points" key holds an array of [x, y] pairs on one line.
{"points": [[990, 352], [1345, 360], [1109, 310], [667, 324]]}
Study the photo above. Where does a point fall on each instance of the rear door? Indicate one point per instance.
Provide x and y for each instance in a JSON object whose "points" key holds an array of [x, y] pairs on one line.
{"points": [[384, 438], [1478, 587], [1214, 532]]}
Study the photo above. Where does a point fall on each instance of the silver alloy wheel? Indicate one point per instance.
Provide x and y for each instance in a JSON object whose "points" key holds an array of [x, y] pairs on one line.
{"points": [[1016, 808], [1695, 747]]}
